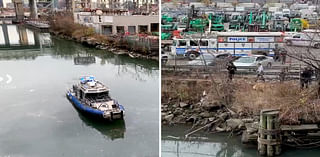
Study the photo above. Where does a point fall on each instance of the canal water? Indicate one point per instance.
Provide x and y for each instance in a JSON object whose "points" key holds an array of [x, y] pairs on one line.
{"points": [[37, 120], [203, 144]]}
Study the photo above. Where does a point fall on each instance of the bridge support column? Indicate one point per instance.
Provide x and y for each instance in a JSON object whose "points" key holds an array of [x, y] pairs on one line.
{"points": [[36, 39], [33, 9], [23, 35], [5, 34], [18, 5]]}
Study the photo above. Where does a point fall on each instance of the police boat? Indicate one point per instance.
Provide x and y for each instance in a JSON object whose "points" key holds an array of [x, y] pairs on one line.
{"points": [[92, 98]]}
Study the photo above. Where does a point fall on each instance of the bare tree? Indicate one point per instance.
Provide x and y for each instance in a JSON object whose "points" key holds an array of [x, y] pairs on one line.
{"points": [[309, 56]]}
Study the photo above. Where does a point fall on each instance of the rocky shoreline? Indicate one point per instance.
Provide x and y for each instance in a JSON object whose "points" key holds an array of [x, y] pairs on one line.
{"points": [[194, 103], [91, 42], [209, 116]]}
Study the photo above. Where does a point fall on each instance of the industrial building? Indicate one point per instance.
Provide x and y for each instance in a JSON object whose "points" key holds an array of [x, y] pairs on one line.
{"points": [[118, 24], [117, 16]]}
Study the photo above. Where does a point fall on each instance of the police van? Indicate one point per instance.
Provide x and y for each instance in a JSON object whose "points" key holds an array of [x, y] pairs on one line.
{"points": [[249, 43], [235, 43]]}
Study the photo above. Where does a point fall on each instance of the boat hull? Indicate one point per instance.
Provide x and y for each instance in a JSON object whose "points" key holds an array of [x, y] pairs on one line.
{"points": [[94, 113]]}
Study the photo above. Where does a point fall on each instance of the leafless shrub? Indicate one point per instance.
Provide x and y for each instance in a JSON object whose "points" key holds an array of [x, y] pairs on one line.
{"points": [[296, 106], [183, 91]]}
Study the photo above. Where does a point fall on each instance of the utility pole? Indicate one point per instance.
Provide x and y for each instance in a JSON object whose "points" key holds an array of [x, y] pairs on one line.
{"points": [[190, 16]]}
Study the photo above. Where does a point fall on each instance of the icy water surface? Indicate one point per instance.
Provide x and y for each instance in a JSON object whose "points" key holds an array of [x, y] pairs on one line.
{"points": [[37, 120], [202, 144]]}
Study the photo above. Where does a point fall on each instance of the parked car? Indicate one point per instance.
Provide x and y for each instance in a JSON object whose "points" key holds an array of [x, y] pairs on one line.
{"points": [[211, 59], [207, 57], [252, 61]]}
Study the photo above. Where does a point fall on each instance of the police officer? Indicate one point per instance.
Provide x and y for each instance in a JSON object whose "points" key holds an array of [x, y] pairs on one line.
{"points": [[283, 54], [231, 69], [305, 77]]}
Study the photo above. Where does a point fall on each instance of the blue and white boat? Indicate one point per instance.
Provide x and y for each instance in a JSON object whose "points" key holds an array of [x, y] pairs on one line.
{"points": [[92, 98]]}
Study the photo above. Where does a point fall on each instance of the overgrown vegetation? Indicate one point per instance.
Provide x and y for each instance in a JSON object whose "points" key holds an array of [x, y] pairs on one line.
{"points": [[247, 98], [296, 106], [192, 91], [63, 24], [183, 91]]}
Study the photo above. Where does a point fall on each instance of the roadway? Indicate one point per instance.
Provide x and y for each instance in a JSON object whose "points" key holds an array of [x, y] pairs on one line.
{"points": [[293, 65]]}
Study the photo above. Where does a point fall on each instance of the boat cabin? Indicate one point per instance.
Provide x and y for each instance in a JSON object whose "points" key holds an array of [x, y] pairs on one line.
{"points": [[92, 90]]}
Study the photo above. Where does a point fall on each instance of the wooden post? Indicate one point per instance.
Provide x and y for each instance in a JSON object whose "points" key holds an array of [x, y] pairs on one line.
{"points": [[269, 137], [278, 136], [262, 147], [269, 141]]}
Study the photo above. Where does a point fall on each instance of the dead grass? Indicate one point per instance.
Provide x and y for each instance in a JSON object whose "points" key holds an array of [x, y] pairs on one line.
{"points": [[183, 91], [296, 106], [193, 90], [248, 97]]}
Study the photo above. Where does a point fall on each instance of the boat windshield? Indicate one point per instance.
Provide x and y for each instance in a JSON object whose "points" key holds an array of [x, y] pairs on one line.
{"points": [[103, 96]]}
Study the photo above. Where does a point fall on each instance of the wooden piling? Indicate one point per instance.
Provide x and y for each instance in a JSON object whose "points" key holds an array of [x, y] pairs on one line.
{"points": [[269, 140], [262, 147]]}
